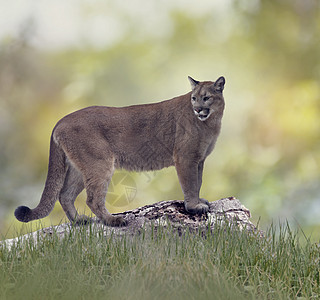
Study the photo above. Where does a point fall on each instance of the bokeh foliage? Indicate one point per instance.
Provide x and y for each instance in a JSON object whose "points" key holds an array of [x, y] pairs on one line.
{"points": [[268, 154]]}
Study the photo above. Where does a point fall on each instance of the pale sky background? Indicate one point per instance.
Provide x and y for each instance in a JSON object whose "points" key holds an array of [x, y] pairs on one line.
{"points": [[59, 23]]}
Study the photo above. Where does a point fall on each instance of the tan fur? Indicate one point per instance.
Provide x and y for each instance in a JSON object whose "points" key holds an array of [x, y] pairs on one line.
{"points": [[88, 145]]}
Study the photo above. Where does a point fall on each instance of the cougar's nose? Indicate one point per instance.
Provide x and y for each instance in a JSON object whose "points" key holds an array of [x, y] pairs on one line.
{"points": [[198, 109]]}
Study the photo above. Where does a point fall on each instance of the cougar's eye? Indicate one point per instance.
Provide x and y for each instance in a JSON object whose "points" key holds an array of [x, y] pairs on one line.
{"points": [[193, 98], [205, 98]]}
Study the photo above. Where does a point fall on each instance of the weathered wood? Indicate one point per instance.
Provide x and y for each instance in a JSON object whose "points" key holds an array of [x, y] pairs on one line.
{"points": [[165, 213]]}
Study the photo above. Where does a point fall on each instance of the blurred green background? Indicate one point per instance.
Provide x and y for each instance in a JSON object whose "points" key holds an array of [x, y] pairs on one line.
{"points": [[58, 56]]}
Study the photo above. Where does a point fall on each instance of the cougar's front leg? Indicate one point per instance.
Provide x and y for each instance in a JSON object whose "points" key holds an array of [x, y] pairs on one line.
{"points": [[188, 174], [200, 172]]}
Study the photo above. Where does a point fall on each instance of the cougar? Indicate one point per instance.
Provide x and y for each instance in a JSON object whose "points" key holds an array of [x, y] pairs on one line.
{"points": [[88, 145]]}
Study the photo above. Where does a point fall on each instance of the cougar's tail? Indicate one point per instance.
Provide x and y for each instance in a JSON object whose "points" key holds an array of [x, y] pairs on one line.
{"points": [[56, 175]]}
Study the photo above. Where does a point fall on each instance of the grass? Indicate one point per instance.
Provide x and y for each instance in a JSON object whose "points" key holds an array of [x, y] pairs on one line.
{"points": [[228, 264]]}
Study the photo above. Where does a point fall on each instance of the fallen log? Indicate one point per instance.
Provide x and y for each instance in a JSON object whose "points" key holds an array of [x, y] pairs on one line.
{"points": [[164, 214]]}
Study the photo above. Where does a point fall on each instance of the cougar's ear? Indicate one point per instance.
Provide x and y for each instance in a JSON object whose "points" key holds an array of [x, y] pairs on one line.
{"points": [[219, 84], [193, 82]]}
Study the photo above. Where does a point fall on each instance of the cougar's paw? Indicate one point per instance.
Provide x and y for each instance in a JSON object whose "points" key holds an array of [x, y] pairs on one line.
{"points": [[116, 221], [82, 220], [197, 209], [205, 201]]}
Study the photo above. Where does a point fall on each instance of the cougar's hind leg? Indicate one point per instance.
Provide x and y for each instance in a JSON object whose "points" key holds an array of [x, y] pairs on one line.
{"points": [[72, 187], [94, 160], [96, 184]]}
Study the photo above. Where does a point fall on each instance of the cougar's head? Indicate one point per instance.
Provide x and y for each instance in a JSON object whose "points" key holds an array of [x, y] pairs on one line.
{"points": [[206, 97]]}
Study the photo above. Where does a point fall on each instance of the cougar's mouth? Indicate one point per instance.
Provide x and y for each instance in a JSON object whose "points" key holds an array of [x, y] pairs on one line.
{"points": [[202, 117], [202, 114]]}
